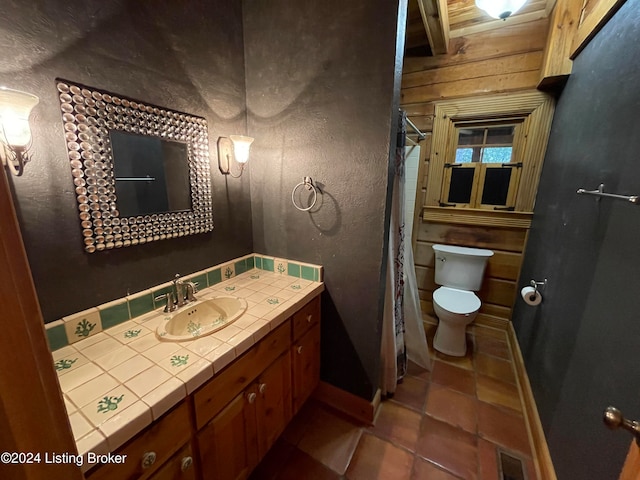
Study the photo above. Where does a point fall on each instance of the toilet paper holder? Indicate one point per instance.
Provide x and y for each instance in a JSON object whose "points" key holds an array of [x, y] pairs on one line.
{"points": [[536, 285]]}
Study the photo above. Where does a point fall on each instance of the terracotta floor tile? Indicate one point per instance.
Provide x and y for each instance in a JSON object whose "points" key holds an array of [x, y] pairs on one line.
{"points": [[503, 427], [397, 424], [453, 407], [492, 346], [425, 470], [301, 465], [494, 367], [330, 439], [488, 460], [450, 447], [494, 391], [412, 393], [454, 377], [465, 362], [418, 372], [375, 459]]}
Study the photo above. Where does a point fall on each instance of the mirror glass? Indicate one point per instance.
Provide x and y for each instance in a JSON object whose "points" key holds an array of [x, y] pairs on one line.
{"points": [[152, 175], [141, 172]]}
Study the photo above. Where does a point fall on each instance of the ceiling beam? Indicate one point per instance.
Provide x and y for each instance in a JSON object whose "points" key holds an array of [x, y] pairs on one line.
{"points": [[435, 17]]}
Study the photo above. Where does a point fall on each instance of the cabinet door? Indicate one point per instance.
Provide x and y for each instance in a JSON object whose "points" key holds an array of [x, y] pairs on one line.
{"points": [[228, 444], [273, 408], [306, 366], [179, 467]]}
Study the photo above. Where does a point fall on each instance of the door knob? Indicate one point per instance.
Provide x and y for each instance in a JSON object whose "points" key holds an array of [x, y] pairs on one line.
{"points": [[613, 419]]}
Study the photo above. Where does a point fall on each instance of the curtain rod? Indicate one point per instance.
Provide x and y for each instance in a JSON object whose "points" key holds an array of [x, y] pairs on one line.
{"points": [[421, 136]]}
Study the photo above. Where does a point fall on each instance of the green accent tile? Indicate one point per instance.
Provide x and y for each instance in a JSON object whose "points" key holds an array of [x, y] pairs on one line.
{"points": [[308, 273], [316, 274], [201, 280], [250, 262], [214, 276], [112, 316], [258, 262], [240, 267], [141, 305], [108, 404], [84, 328], [57, 337], [293, 270], [267, 264]]}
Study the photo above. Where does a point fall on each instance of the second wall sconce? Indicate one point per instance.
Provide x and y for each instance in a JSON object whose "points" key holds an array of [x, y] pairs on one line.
{"points": [[15, 133], [233, 147], [500, 9]]}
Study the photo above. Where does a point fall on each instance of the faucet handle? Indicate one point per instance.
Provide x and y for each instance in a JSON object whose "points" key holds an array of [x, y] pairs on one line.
{"points": [[170, 305], [176, 279], [192, 287]]}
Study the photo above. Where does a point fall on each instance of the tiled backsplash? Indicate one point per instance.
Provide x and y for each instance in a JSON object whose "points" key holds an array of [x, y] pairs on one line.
{"points": [[81, 325]]}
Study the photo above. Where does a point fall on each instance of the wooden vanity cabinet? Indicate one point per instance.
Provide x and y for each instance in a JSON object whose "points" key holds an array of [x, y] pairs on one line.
{"points": [[231, 421], [305, 353], [237, 438]]}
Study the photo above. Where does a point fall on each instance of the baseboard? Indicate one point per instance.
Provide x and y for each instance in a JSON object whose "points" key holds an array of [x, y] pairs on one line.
{"points": [[352, 405], [541, 456]]}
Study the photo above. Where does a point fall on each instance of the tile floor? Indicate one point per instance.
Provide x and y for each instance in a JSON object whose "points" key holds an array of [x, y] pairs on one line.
{"points": [[445, 424]]}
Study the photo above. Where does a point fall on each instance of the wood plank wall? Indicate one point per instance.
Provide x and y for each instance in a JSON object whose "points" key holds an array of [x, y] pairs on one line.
{"points": [[508, 59]]}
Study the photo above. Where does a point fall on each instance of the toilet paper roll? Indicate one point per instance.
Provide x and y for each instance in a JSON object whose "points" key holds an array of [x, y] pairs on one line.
{"points": [[530, 296]]}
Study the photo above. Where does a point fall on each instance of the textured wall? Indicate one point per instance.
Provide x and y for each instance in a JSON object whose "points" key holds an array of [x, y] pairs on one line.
{"points": [[581, 344], [187, 59], [321, 99]]}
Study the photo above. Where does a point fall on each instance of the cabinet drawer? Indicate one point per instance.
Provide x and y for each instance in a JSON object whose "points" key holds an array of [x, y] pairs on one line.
{"points": [[306, 317], [151, 448], [213, 396], [180, 467]]}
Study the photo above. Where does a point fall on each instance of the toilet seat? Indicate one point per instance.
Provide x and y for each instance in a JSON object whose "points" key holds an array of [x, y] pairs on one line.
{"points": [[462, 302]]}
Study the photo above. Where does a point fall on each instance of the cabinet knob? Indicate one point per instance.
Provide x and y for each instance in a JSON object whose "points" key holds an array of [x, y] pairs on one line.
{"points": [[299, 349], [262, 388], [251, 397], [309, 317], [186, 463], [148, 459]]}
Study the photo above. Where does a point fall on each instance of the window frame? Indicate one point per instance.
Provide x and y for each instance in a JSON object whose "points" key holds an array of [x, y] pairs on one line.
{"points": [[535, 108]]}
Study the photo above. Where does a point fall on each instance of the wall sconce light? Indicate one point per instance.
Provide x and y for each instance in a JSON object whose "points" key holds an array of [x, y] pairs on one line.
{"points": [[15, 107], [233, 147], [500, 8]]}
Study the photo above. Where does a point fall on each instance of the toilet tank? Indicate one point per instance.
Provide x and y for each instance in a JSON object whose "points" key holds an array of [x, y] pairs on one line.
{"points": [[460, 267]]}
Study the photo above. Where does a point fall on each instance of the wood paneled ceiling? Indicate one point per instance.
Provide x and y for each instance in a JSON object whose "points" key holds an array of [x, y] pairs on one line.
{"points": [[431, 23]]}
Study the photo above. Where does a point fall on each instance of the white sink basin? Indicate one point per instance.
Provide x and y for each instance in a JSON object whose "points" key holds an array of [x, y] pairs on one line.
{"points": [[201, 318]]}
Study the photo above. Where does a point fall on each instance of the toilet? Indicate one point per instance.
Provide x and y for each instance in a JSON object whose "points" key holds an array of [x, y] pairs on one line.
{"points": [[459, 270]]}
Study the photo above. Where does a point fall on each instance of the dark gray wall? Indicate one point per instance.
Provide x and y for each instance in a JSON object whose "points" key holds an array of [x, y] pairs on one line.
{"points": [[581, 344], [187, 57], [322, 86]]}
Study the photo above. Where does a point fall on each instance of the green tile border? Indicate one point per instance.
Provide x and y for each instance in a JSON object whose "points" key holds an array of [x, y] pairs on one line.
{"points": [[267, 264], [214, 276], [139, 305], [308, 273], [293, 269], [201, 280], [114, 315], [57, 337], [258, 262], [240, 267], [251, 263]]}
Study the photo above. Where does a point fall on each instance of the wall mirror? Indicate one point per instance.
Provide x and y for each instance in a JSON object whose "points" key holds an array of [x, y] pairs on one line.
{"points": [[141, 172]]}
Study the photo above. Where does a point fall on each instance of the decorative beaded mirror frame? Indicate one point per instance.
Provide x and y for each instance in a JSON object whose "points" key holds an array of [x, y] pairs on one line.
{"points": [[88, 114]]}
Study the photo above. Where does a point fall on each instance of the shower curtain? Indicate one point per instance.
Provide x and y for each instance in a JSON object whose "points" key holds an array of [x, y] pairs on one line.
{"points": [[403, 334]]}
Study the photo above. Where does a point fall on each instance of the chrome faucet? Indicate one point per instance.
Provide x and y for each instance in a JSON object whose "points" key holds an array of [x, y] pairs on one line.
{"points": [[181, 294], [184, 291]]}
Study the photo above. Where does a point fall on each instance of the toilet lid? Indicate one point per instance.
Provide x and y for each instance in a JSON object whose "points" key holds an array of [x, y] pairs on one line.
{"points": [[456, 301]]}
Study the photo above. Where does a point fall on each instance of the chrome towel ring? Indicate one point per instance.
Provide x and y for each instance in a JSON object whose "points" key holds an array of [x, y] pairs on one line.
{"points": [[308, 184]]}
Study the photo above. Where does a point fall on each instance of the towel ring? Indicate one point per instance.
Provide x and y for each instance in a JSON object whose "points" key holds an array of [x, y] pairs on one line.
{"points": [[308, 184]]}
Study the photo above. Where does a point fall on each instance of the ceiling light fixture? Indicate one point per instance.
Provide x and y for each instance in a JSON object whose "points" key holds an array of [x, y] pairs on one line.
{"points": [[500, 8]]}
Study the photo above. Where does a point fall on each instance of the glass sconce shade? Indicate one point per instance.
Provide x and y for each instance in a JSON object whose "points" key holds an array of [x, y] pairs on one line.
{"points": [[500, 8], [15, 107], [241, 146]]}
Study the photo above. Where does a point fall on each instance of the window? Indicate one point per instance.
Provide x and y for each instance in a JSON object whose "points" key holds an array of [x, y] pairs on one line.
{"points": [[482, 172]]}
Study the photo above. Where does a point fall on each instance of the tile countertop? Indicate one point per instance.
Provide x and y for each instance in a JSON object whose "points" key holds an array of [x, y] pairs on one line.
{"points": [[117, 382]]}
